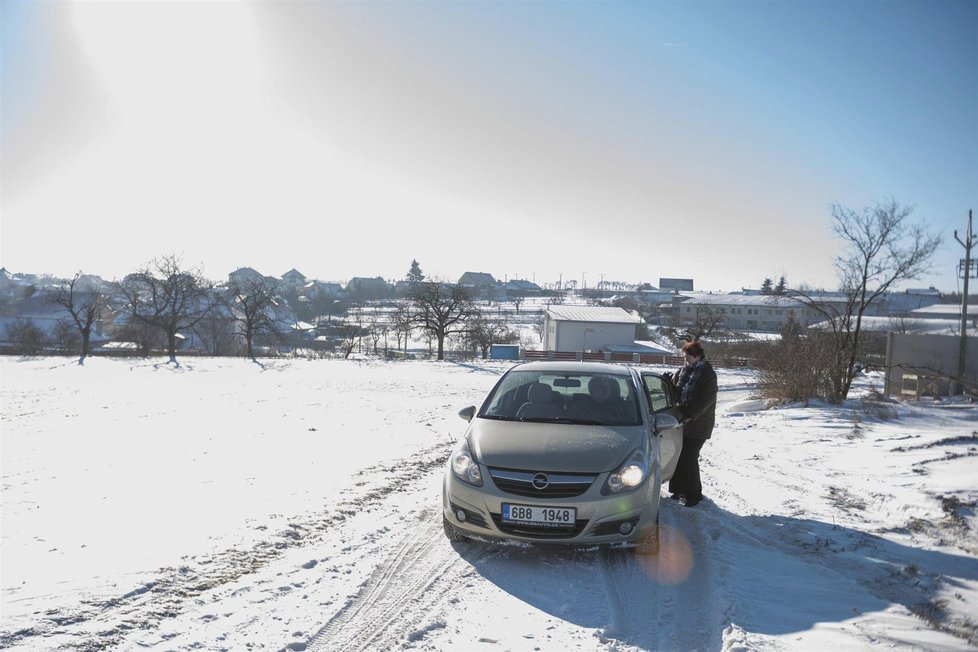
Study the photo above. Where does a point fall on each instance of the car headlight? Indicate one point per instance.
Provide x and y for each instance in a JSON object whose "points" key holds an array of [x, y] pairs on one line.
{"points": [[464, 467], [633, 472]]}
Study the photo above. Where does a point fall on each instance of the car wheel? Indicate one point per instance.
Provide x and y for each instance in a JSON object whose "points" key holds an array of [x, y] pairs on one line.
{"points": [[451, 533], [648, 546]]}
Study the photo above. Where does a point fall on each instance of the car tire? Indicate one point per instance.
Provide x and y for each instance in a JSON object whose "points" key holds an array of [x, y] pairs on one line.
{"points": [[451, 532], [648, 546]]}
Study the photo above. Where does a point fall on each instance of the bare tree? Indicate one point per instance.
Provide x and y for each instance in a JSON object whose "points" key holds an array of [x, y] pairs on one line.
{"points": [[85, 308], [381, 330], [25, 337], [166, 295], [401, 324], [539, 326], [376, 328], [252, 303], [707, 322], [67, 338], [374, 331], [216, 334], [796, 368], [350, 334], [881, 249], [441, 309], [905, 325], [357, 315], [517, 300], [483, 332], [145, 336]]}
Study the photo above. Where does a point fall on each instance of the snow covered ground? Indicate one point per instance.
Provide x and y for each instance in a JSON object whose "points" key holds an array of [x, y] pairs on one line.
{"points": [[221, 504]]}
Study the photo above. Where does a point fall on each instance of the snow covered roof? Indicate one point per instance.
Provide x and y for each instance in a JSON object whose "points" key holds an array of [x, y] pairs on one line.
{"points": [[931, 291], [521, 284], [640, 347], [592, 313], [120, 346], [476, 279], [741, 299], [944, 310], [245, 273], [913, 325]]}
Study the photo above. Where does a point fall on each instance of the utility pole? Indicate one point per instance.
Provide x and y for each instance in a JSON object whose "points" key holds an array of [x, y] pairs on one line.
{"points": [[965, 269]]}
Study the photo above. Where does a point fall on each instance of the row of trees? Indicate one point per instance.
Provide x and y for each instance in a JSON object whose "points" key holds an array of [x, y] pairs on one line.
{"points": [[167, 299], [881, 248]]}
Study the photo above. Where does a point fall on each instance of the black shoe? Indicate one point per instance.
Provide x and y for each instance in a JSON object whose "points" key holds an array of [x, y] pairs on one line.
{"points": [[676, 497]]}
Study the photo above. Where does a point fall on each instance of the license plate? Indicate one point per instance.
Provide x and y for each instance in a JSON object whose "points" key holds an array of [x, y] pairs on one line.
{"points": [[536, 515]]}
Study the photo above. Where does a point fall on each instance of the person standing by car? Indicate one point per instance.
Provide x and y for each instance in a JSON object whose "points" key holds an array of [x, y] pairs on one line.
{"points": [[696, 384]]}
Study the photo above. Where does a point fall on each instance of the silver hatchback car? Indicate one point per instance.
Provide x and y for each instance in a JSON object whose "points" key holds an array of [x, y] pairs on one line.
{"points": [[564, 452]]}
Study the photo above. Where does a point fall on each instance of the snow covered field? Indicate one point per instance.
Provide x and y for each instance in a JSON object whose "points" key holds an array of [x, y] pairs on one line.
{"points": [[221, 504]]}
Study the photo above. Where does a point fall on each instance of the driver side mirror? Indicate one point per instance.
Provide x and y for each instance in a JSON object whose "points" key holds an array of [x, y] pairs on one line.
{"points": [[467, 413], [662, 422]]}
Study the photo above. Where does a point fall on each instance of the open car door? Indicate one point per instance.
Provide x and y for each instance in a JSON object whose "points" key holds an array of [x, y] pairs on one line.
{"points": [[662, 401]]}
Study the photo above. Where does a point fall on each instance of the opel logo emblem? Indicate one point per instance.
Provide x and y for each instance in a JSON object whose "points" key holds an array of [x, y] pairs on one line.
{"points": [[540, 481]]}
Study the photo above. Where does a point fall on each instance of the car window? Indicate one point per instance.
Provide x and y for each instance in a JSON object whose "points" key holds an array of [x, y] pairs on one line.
{"points": [[585, 397], [659, 392]]}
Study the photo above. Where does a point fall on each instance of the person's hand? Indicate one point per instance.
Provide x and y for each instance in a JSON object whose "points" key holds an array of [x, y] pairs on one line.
{"points": [[668, 378]]}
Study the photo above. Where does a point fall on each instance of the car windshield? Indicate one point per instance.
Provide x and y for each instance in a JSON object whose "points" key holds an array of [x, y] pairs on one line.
{"points": [[586, 398]]}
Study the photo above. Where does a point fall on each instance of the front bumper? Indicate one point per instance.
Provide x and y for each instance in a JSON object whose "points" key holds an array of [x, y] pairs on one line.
{"points": [[600, 518]]}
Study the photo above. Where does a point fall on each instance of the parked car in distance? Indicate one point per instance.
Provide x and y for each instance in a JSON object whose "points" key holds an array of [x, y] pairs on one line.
{"points": [[564, 452]]}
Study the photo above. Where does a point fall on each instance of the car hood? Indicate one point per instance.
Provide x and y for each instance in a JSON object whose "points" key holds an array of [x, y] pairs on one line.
{"points": [[552, 447]]}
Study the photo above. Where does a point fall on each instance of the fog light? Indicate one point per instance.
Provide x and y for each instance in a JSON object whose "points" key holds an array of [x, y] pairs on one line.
{"points": [[625, 527], [460, 515]]}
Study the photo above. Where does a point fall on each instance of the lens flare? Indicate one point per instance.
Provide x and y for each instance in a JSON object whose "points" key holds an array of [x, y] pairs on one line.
{"points": [[669, 562]]}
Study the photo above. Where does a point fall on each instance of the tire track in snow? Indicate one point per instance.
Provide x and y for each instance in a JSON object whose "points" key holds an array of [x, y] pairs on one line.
{"points": [[668, 599], [103, 622], [399, 594], [631, 621]]}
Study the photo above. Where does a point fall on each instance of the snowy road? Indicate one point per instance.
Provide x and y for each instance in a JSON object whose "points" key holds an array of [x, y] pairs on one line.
{"points": [[800, 544]]}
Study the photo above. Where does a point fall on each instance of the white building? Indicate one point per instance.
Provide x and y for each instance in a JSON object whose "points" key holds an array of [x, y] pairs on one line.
{"points": [[587, 328]]}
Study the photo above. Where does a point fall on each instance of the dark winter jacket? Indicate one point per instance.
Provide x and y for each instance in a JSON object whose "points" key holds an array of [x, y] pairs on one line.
{"points": [[698, 403]]}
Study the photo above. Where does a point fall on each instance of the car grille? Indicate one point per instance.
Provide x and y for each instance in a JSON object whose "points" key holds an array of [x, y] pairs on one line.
{"points": [[539, 531], [528, 483]]}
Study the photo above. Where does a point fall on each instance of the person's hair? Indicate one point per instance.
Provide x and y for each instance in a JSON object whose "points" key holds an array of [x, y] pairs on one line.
{"points": [[694, 348]]}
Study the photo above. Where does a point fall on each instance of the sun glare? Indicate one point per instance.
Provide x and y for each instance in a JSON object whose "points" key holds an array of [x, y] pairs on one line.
{"points": [[166, 54]]}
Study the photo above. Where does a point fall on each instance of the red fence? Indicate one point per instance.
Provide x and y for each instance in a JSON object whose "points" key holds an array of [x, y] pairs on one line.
{"points": [[638, 358]]}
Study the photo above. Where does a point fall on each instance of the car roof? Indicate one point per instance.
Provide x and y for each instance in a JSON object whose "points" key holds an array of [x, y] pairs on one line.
{"points": [[571, 366]]}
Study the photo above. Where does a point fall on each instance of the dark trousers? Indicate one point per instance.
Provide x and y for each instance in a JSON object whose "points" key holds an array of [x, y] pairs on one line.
{"points": [[686, 479]]}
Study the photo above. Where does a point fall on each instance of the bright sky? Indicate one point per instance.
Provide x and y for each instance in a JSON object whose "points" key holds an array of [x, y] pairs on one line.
{"points": [[578, 140]]}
